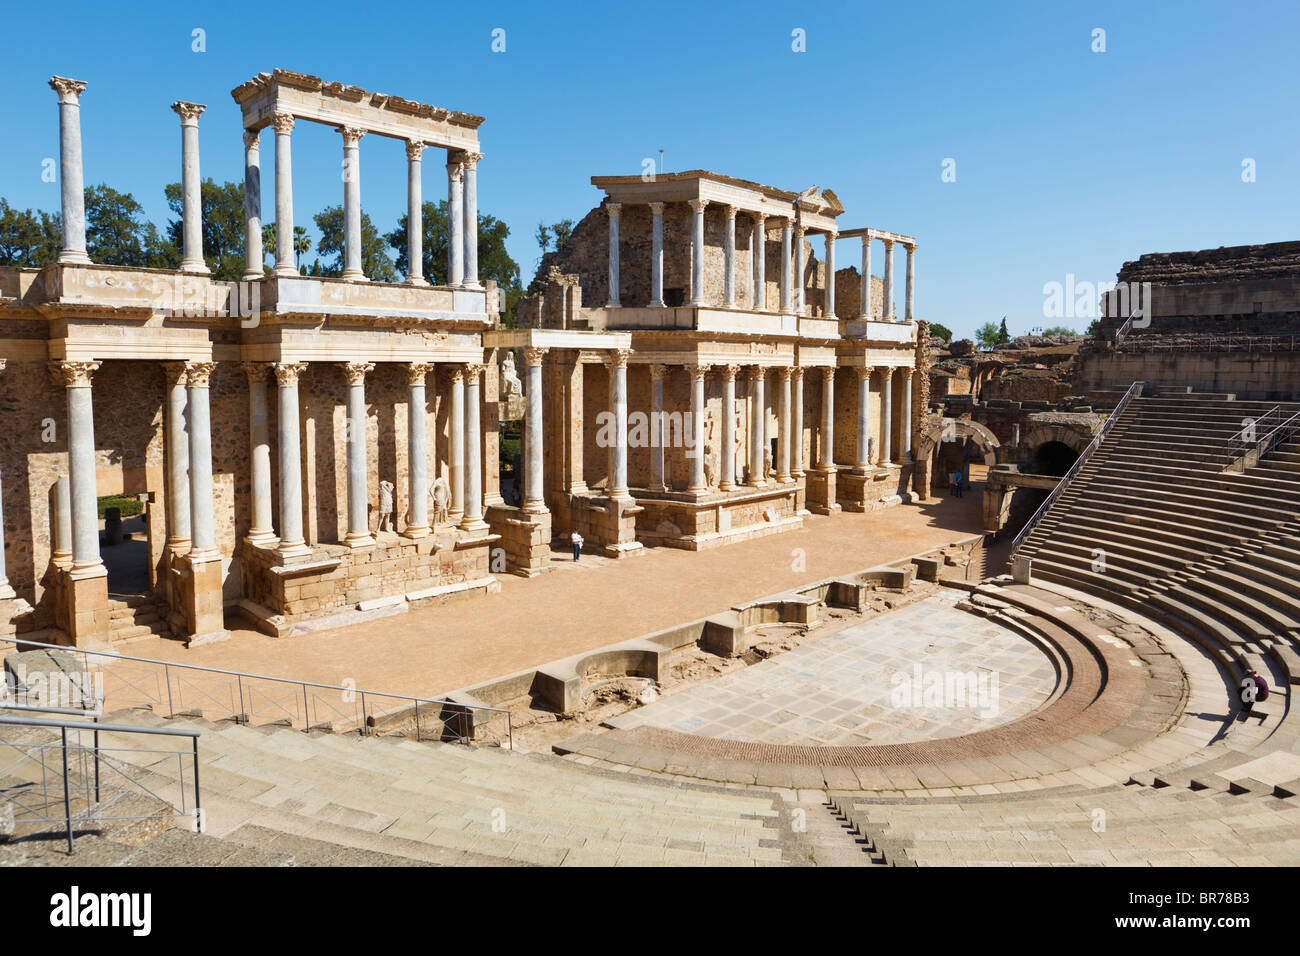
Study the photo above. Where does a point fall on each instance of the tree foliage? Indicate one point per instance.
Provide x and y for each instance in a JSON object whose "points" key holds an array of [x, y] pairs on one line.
{"points": [[117, 232], [27, 238], [223, 226], [939, 331], [375, 260]]}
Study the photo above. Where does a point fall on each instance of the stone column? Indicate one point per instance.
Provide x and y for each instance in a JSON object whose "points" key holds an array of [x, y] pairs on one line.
{"points": [[828, 307], [757, 426], [203, 528], [796, 425], [473, 520], [699, 483], [827, 440], [62, 551], [906, 423], [6, 592], [352, 204], [470, 163], [618, 406], [414, 213], [727, 481], [783, 436], [177, 451], [261, 530], [284, 261], [455, 221], [887, 311], [800, 302], [657, 373], [657, 256], [76, 377], [759, 246], [354, 435], [863, 463], [417, 451], [909, 300], [71, 185], [697, 252], [287, 438], [729, 251], [613, 209], [865, 292], [191, 195], [534, 497], [457, 456], [252, 206], [886, 454], [787, 290]]}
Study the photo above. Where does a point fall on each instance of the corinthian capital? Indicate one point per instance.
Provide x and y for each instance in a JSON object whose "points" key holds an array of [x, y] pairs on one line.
{"points": [[351, 135], [355, 372], [618, 357], [198, 374], [283, 122], [287, 373], [416, 371], [188, 112], [533, 355], [68, 89], [414, 150], [73, 374]]}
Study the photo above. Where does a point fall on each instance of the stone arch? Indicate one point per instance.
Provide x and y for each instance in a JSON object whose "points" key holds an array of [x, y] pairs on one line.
{"points": [[951, 428], [1066, 436]]}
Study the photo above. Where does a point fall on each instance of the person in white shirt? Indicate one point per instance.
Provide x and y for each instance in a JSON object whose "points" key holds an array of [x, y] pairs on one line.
{"points": [[575, 539]]}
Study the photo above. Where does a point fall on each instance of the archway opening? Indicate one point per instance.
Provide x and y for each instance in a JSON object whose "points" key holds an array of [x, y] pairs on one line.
{"points": [[1053, 458], [124, 544]]}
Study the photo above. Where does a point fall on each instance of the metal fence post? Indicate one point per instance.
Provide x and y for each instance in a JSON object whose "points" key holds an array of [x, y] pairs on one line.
{"points": [[67, 796], [167, 676]]}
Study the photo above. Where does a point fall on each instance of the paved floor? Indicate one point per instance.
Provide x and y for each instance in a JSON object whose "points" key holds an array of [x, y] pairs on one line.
{"points": [[862, 686], [576, 608]]}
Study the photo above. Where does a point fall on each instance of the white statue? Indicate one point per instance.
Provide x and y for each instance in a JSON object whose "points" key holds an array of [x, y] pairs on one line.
{"points": [[510, 377], [385, 506], [440, 492]]}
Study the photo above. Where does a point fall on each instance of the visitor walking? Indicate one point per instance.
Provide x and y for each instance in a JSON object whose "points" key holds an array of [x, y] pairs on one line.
{"points": [[956, 484], [575, 539]]}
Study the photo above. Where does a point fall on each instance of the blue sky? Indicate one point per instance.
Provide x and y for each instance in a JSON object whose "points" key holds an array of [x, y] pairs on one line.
{"points": [[1067, 161]]}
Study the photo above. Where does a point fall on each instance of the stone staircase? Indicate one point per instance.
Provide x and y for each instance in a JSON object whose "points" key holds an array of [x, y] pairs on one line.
{"points": [[137, 616]]}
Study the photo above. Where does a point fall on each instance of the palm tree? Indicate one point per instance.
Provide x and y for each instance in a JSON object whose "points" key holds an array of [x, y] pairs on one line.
{"points": [[301, 242]]}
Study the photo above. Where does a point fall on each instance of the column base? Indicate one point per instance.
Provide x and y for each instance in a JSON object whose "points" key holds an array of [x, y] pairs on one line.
{"points": [[354, 540], [197, 266], [658, 305], [613, 305], [262, 539], [477, 524], [73, 257], [253, 276], [293, 549], [286, 272], [472, 285], [416, 280], [417, 531], [353, 276]]}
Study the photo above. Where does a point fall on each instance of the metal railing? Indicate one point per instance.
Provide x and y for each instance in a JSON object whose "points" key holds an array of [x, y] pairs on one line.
{"points": [[67, 782], [1133, 392], [1166, 341], [1242, 441], [1127, 327], [173, 689]]}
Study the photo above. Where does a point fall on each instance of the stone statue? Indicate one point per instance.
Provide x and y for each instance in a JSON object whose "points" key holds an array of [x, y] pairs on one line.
{"points": [[767, 460], [710, 475], [510, 377], [440, 492], [385, 506]]}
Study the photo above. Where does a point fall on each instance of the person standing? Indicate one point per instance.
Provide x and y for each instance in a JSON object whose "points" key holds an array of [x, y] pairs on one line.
{"points": [[575, 539]]}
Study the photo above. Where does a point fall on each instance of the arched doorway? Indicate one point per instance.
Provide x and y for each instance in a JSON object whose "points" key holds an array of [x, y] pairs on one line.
{"points": [[949, 445]]}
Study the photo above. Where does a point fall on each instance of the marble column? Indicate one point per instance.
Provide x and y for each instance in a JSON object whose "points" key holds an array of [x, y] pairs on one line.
{"points": [[288, 441], [613, 209], [176, 448], [697, 252], [473, 520], [657, 256], [886, 453], [727, 481], [455, 220], [796, 425], [470, 230], [61, 555], [695, 452], [863, 463], [354, 435], [6, 592], [800, 303], [203, 528], [71, 184], [865, 291], [906, 424], [887, 312], [909, 297], [352, 270], [76, 378], [787, 289], [657, 373], [417, 450], [757, 426], [252, 206], [191, 194], [784, 425], [414, 213], [826, 442], [261, 529], [759, 247], [534, 497], [828, 306], [457, 456], [618, 406], [284, 261], [729, 265]]}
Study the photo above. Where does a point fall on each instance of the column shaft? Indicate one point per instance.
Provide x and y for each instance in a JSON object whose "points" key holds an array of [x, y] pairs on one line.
{"points": [[252, 206], [657, 255], [358, 535], [613, 209], [697, 252], [760, 264], [261, 530], [699, 483], [796, 426], [784, 426], [81, 467], [801, 304], [865, 292], [909, 300], [906, 423], [177, 450], [470, 227], [729, 281], [886, 456], [191, 192], [727, 481], [757, 427], [352, 270], [62, 556], [863, 462], [657, 373], [455, 223], [287, 438], [417, 455], [284, 256], [826, 442], [203, 535], [457, 456], [887, 311], [618, 406], [473, 520], [71, 185], [414, 213], [828, 306], [534, 498]]}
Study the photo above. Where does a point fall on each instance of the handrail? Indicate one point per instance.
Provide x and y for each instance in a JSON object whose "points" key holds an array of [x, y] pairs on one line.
{"points": [[1233, 447], [241, 676], [1133, 392], [1124, 329], [111, 728]]}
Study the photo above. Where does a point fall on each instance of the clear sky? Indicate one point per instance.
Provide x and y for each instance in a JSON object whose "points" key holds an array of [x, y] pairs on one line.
{"points": [[1067, 161]]}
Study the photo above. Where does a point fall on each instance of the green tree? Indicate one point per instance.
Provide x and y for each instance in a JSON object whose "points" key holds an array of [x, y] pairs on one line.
{"points": [[494, 261], [223, 226], [543, 235], [988, 335], [1003, 334], [562, 231], [1059, 330], [27, 238], [118, 234], [301, 244], [1094, 329], [938, 331], [375, 261]]}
